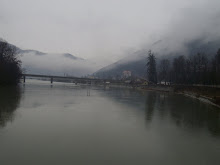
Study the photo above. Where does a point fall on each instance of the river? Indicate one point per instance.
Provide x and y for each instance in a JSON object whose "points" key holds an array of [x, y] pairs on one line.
{"points": [[64, 124]]}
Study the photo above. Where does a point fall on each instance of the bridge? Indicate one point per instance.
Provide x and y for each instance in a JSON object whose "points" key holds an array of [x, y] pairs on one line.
{"points": [[74, 79]]}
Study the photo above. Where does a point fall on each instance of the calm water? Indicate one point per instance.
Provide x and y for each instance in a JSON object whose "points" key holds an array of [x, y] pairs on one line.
{"points": [[66, 124]]}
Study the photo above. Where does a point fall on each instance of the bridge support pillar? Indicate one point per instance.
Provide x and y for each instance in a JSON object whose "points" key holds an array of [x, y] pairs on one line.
{"points": [[24, 79], [51, 80]]}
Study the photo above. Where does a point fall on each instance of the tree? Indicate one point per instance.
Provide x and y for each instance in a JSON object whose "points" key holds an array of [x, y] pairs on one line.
{"points": [[217, 66], [199, 67], [10, 65], [164, 70], [196, 69], [179, 70], [151, 68]]}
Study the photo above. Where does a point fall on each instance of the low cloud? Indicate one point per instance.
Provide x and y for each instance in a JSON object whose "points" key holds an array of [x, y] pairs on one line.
{"points": [[56, 64]]}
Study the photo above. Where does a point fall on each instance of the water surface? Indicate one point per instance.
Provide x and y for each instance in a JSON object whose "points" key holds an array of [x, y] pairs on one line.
{"points": [[68, 124]]}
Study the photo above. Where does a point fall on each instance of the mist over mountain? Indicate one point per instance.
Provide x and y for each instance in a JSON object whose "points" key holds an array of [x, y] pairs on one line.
{"points": [[192, 30], [36, 62], [136, 62], [55, 64]]}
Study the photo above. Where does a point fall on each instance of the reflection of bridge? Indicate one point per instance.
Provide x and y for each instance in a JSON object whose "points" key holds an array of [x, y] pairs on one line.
{"points": [[74, 79]]}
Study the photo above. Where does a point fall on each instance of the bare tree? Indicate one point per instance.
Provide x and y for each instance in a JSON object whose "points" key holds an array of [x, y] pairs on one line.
{"points": [[199, 65], [217, 66], [164, 70], [179, 70]]}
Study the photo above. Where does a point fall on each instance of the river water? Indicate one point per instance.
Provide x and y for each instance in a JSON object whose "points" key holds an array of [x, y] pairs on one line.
{"points": [[63, 124]]}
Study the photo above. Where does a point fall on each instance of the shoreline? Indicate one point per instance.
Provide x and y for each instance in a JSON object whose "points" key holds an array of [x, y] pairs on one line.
{"points": [[200, 98], [208, 95]]}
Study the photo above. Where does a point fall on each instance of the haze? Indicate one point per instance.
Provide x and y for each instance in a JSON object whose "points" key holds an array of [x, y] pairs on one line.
{"points": [[103, 30]]}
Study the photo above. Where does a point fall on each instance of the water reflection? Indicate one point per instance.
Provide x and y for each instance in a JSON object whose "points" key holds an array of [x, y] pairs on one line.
{"points": [[150, 106], [184, 112], [9, 101]]}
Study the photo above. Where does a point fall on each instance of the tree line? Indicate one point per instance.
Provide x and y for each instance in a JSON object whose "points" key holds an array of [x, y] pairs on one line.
{"points": [[195, 69]]}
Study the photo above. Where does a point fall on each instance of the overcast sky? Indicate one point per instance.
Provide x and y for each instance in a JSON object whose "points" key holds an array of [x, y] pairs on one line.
{"points": [[104, 29]]}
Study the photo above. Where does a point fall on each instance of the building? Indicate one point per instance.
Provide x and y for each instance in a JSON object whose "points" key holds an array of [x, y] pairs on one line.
{"points": [[126, 73]]}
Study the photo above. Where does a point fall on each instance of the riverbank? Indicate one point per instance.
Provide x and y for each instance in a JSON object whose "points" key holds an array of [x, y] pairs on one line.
{"points": [[209, 95]]}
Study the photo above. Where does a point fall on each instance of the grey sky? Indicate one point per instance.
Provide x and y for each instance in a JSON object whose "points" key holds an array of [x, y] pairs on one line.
{"points": [[104, 29]]}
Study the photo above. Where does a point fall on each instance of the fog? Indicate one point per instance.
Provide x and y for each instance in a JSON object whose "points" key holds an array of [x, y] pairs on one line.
{"points": [[56, 64], [201, 23], [106, 31]]}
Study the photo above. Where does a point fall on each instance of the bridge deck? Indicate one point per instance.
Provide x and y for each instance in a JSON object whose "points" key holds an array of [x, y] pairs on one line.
{"points": [[59, 77]]}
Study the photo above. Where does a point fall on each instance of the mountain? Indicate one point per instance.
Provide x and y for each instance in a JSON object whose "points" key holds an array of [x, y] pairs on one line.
{"points": [[136, 62], [38, 53], [203, 46], [72, 57]]}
